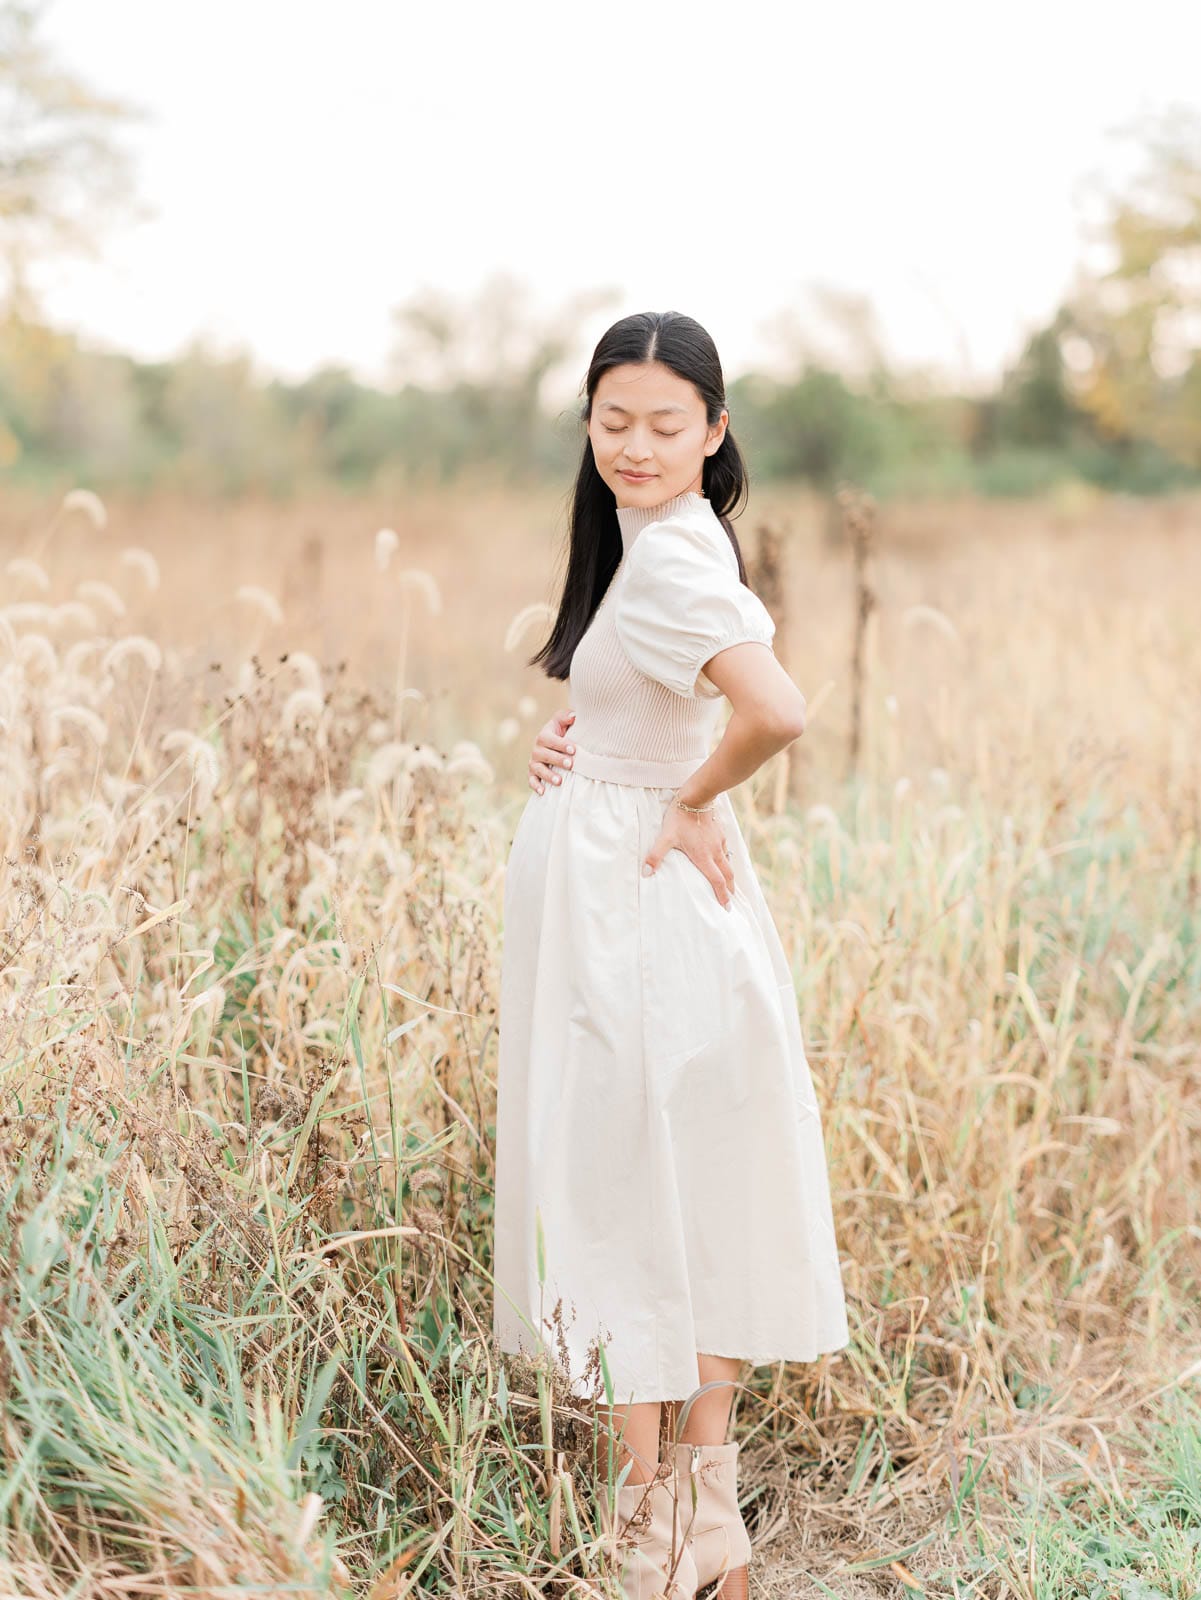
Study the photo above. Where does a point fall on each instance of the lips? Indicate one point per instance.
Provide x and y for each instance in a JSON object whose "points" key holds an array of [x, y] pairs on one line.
{"points": [[637, 477]]}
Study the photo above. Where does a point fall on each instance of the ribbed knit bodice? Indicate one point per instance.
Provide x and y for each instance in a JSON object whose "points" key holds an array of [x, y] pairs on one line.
{"points": [[620, 711]]}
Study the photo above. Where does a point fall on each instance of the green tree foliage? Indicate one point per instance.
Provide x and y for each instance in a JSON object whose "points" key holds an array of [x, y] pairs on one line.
{"points": [[63, 176], [482, 366], [63, 402], [814, 427], [1136, 343], [1109, 390], [1035, 405]]}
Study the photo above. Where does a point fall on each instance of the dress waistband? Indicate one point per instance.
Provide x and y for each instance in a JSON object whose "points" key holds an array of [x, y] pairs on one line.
{"points": [[644, 774]]}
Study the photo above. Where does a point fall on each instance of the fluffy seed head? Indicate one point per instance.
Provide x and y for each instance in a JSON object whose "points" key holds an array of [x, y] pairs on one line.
{"points": [[32, 571], [932, 617], [386, 546], [36, 648], [204, 761], [80, 717], [301, 703], [538, 611], [134, 644], [134, 556], [103, 593], [425, 757], [89, 503], [386, 762], [471, 764], [28, 611], [306, 666], [425, 584], [262, 599], [74, 612], [78, 652]]}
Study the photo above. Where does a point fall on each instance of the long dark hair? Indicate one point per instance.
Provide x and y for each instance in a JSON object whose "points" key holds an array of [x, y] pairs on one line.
{"points": [[593, 531]]}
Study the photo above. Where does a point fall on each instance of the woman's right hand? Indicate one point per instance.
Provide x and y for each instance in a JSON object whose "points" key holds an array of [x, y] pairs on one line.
{"points": [[551, 751]]}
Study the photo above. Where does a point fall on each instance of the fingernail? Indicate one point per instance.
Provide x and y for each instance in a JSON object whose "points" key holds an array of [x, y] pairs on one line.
{"points": [[571, 749], [567, 763], [558, 777], [647, 869]]}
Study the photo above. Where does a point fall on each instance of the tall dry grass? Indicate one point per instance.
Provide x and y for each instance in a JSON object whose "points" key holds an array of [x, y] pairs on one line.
{"points": [[260, 772]]}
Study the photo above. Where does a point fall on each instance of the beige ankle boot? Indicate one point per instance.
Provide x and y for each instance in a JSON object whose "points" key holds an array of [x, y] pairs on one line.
{"points": [[656, 1560], [717, 1536]]}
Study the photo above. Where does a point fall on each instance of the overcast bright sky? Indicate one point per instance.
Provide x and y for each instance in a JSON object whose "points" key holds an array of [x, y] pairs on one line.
{"points": [[312, 165]]}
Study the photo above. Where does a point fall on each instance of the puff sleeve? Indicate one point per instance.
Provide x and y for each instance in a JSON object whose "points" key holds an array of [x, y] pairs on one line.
{"points": [[682, 601]]}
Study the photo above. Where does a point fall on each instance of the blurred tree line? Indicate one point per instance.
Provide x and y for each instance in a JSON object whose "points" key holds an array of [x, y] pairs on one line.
{"points": [[1108, 392]]}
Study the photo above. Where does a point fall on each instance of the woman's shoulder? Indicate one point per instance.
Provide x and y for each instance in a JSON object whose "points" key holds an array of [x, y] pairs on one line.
{"points": [[688, 542], [683, 601]]}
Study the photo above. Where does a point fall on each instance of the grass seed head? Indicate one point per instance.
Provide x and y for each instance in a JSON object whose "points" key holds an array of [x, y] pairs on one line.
{"points": [[133, 645], [89, 503], [386, 546], [262, 600], [103, 593], [31, 571], [134, 556]]}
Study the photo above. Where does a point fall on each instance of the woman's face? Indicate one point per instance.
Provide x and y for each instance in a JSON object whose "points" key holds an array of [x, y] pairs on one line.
{"points": [[648, 432]]}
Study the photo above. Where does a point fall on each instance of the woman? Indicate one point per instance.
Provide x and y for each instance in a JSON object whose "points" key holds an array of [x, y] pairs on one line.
{"points": [[661, 1182]]}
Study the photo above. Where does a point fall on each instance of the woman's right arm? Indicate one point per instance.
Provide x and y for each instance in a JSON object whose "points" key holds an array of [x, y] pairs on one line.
{"points": [[551, 751]]}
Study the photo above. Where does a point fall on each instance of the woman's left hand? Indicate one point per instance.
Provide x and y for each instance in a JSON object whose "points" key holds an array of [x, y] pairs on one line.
{"points": [[702, 839]]}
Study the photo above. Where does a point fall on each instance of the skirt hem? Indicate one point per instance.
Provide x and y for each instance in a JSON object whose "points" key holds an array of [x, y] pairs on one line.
{"points": [[756, 1360]]}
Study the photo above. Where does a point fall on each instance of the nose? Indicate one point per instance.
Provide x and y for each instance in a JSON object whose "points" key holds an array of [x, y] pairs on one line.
{"points": [[633, 454]]}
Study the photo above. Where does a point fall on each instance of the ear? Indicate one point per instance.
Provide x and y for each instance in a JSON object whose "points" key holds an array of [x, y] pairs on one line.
{"points": [[717, 434]]}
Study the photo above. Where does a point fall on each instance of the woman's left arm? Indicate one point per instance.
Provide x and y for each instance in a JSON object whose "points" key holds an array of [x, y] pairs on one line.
{"points": [[768, 713]]}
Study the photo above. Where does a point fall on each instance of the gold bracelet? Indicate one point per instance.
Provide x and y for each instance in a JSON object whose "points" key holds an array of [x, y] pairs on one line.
{"points": [[684, 806]]}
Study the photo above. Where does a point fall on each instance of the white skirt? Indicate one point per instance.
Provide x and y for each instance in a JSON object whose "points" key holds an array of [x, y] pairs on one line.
{"points": [[658, 1141]]}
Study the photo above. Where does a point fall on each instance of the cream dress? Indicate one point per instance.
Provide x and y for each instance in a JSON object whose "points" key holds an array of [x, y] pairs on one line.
{"points": [[659, 1153]]}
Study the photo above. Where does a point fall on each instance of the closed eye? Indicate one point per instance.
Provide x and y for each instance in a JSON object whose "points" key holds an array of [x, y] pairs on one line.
{"points": [[659, 431]]}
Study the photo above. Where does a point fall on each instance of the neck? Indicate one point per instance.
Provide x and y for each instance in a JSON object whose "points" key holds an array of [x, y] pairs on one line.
{"points": [[632, 519]]}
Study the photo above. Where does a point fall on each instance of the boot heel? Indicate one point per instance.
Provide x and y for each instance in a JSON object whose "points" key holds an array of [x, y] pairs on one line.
{"points": [[733, 1586]]}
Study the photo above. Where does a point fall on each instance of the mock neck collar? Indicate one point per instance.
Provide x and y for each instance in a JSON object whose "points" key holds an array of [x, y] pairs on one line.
{"points": [[632, 519]]}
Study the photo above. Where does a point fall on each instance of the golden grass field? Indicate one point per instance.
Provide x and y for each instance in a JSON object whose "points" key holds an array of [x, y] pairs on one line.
{"points": [[251, 930]]}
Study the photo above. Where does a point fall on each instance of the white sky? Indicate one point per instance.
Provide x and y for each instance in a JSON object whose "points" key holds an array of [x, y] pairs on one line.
{"points": [[310, 166]]}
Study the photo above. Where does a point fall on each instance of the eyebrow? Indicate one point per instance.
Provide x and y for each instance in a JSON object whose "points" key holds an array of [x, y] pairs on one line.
{"points": [[611, 405]]}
